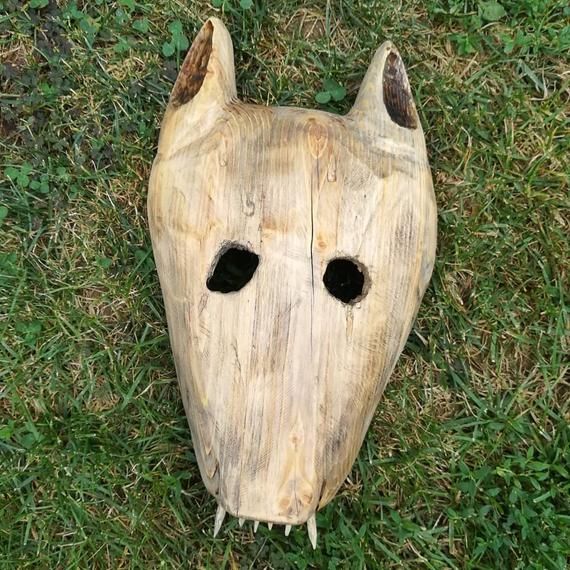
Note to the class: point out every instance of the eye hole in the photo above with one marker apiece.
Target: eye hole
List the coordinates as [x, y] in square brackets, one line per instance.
[233, 270]
[344, 279]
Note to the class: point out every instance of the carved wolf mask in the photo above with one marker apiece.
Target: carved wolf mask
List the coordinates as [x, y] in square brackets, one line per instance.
[293, 249]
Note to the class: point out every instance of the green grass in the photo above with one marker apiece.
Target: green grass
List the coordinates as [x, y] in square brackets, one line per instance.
[467, 462]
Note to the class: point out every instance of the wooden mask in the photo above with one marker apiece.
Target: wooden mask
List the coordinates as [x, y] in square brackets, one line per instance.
[293, 248]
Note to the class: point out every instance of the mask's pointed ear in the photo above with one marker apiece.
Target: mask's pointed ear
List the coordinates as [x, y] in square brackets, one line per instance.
[207, 74]
[204, 87]
[385, 96]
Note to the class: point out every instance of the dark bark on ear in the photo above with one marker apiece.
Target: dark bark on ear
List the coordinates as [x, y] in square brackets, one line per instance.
[194, 68]
[397, 94]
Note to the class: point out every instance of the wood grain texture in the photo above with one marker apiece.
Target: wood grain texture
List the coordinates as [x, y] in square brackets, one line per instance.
[280, 379]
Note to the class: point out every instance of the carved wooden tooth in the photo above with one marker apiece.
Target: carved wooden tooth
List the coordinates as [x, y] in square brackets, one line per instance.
[220, 514]
[312, 529]
[240, 522]
[255, 526]
[287, 529]
[269, 526]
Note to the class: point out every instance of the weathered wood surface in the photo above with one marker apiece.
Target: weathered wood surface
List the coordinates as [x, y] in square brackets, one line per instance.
[280, 379]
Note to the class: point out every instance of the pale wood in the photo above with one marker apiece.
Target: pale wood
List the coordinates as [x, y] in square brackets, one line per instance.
[280, 379]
